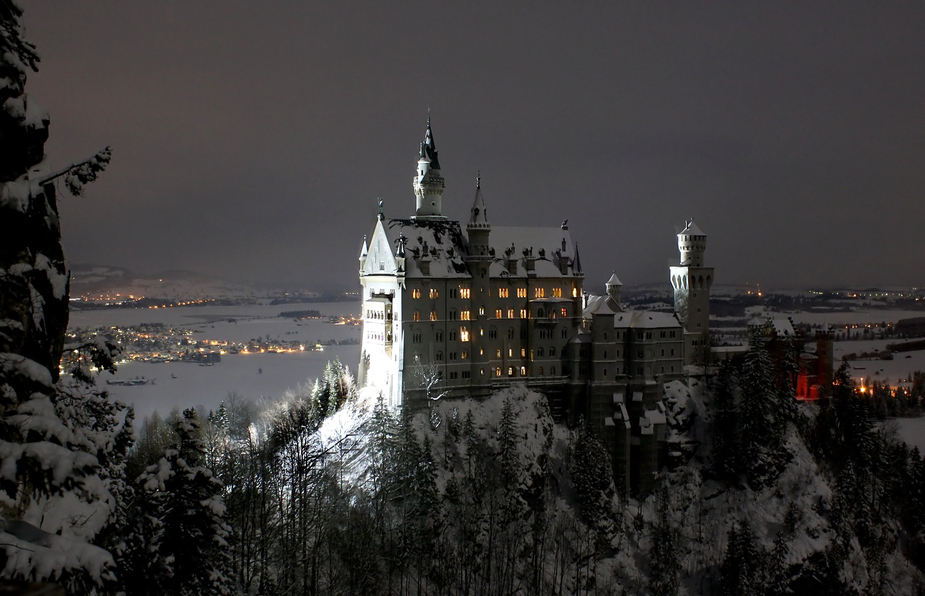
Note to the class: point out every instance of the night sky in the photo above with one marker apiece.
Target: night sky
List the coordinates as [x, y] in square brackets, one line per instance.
[252, 139]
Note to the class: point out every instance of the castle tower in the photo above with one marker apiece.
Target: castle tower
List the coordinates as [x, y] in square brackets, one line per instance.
[614, 289]
[478, 261]
[692, 282]
[427, 181]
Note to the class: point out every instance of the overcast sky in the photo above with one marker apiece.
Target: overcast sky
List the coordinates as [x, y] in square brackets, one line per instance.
[252, 139]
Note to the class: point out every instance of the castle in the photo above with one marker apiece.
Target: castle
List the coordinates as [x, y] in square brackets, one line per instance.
[463, 313]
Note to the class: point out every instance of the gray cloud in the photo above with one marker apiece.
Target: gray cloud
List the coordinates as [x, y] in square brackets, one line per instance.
[251, 140]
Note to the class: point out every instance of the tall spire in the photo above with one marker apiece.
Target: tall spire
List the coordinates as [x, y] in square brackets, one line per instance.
[479, 213]
[428, 183]
[428, 148]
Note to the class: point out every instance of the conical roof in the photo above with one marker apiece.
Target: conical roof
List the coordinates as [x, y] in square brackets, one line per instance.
[614, 281]
[691, 229]
[478, 217]
[429, 148]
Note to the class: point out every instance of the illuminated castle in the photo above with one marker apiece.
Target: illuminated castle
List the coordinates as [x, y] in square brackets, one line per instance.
[464, 312]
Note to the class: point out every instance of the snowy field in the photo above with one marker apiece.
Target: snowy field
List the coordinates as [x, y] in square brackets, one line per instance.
[858, 317]
[254, 376]
[910, 430]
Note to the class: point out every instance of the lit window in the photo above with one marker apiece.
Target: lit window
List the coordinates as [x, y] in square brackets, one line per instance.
[465, 355]
[523, 352]
[433, 292]
[417, 315]
[481, 310]
[574, 292]
[510, 313]
[416, 293]
[498, 355]
[464, 292]
[564, 312]
[433, 315]
[539, 292]
[503, 292]
[498, 314]
[557, 292]
[498, 372]
[523, 371]
[523, 313]
[481, 351]
[463, 334]
[521, 292]
[510, 371]
[464, 315]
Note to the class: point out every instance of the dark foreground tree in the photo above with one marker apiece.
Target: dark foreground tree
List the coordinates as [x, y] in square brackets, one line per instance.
[60, 444]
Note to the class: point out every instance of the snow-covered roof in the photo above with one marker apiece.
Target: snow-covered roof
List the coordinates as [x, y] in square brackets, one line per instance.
[781, 326]
[434, 241]
[614, 281]
[644, 319]
[600, 305]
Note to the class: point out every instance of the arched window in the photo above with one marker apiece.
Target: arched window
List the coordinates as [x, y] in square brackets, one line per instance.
[439, 357]
[540, 313]
[552, 351]
[564, 333]
[552, 371]
[523, 371]
[510, 333]
[439, 336]
[540, 371]
[539, 352]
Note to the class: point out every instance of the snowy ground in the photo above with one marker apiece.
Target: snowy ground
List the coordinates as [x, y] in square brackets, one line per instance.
[911, 431]
[207, 386]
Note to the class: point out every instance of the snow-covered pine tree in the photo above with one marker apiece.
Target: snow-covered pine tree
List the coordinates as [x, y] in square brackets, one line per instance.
[762, 442]
[592, 478]
[741, 571]
[183, 548]
[58, 439]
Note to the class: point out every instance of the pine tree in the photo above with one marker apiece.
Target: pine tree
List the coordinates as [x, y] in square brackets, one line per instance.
[182, 536]
[762, 441]
[58, 471]
[741, 573]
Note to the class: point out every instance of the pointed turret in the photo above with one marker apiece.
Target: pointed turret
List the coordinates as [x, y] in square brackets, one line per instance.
[478, 217]
[364, 252]
[428, 183]
[478, 228]
[428, 148]
[615, 289]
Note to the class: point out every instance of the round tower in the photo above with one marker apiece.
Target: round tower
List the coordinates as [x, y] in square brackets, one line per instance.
[615, 289]
[691, 244]
[428, 183]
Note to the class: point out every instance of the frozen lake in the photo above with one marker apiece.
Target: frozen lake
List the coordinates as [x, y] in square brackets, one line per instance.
[255, 376]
